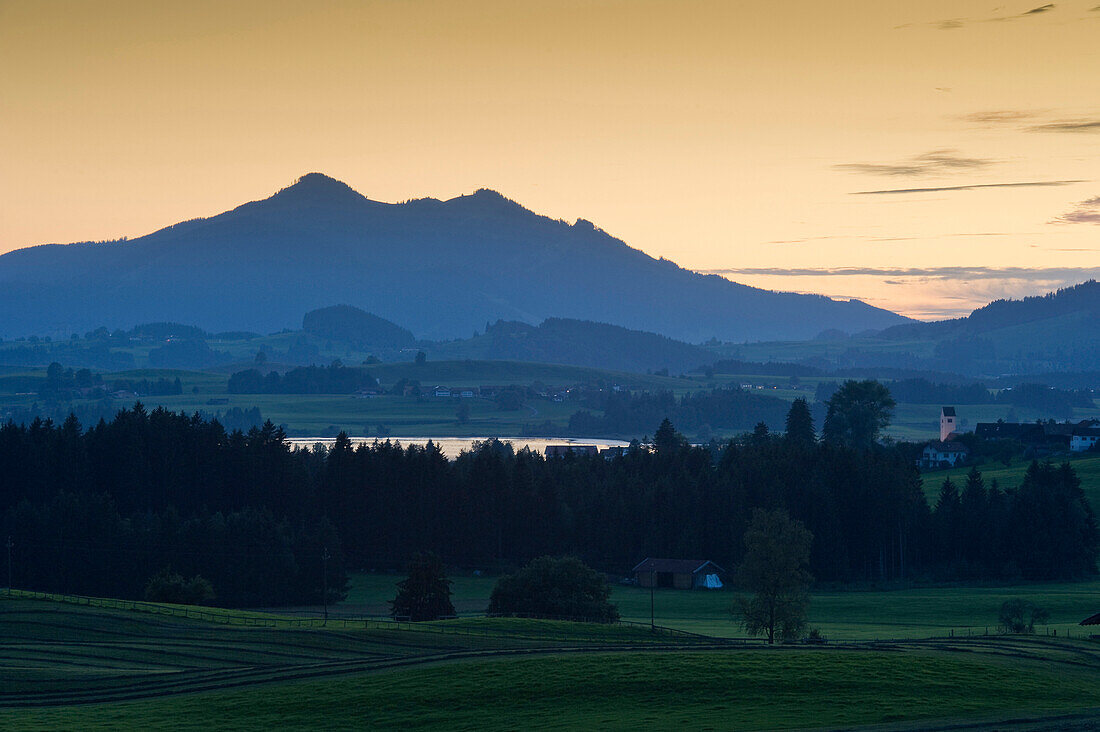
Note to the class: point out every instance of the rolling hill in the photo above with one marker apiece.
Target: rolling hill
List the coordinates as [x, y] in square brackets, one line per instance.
[1056, 332]
[577, 342]
[440, 268]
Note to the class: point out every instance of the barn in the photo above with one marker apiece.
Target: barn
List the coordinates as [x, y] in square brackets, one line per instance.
[681, 574]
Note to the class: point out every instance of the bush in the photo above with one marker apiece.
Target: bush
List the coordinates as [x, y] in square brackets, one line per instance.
[169, 586]
[555, 587]
[1020, 616]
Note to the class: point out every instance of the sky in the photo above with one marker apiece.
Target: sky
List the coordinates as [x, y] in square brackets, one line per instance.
[925, 157]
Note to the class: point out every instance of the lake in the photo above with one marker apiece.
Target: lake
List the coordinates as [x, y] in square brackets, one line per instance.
[452, 446]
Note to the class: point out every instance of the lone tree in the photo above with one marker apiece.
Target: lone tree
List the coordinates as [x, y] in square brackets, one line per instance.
[667, 440]
[857, 412]
[1020, 616]
[557, 587]
[426, 594]
[800, 424]
[777, 551]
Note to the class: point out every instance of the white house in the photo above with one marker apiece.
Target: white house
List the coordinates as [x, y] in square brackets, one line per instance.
[1083, 438]
[943, 454]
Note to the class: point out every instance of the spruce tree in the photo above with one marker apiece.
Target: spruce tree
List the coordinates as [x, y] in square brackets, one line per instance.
[800, 424]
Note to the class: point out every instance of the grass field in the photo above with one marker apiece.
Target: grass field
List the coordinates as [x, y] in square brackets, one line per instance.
[320, 415]
[840, 615]
[65, 666]
[1087, 467]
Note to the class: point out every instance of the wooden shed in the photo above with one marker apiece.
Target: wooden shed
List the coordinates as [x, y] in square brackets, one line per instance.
[681, 574]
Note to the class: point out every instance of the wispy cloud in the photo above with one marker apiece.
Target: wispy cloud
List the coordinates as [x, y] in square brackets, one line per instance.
[1087, 212]
[1075, 125]
[973, 187]
[930, 163]
[1014, 117]
[919, 292]
[1000, 116]
[961, 235]
[956, 23]
[932, 273]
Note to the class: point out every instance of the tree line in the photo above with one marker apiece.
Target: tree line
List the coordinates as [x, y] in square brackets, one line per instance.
[1032, 396]
[625, 412]
[100, 510]
[333, 379]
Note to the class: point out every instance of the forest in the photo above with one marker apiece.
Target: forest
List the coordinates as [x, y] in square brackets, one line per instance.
[636, 413]
[333, 379]
[101, 510]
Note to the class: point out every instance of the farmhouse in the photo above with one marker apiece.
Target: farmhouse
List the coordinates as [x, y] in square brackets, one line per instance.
[681, 574]
[1048, 436]
[943, 454]
[1084, 438]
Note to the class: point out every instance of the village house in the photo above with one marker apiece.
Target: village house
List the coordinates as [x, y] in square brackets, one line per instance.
[1043, 436]
[943, 454]
[1084, 438]
[680, 574]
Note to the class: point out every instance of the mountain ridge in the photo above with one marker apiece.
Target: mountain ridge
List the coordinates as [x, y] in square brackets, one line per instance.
[442, 268]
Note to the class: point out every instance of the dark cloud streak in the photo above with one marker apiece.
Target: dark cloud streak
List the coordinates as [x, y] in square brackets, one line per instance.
[1087, 212]
[1081, 125]
[1000, 116]
[930, 163]
[972, 187]
[956, 23]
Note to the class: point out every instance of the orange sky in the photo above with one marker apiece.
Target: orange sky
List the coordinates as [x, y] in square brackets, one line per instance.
[727, 136]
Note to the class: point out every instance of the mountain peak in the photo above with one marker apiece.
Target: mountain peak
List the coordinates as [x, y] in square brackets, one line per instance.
[487, 202]
[318, 187]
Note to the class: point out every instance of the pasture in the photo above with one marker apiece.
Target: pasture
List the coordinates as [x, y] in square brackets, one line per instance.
[326, 414]
[66, 666]
[1086, 465]
[855, 615]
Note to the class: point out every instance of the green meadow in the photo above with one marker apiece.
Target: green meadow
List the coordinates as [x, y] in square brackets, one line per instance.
[324, 414]
[1086, 465]
[843, 615]
[67, 666]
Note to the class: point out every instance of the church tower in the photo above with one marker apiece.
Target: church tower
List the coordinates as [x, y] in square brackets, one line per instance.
[947, 423]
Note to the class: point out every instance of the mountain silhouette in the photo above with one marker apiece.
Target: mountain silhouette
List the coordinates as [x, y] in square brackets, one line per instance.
[440, 268]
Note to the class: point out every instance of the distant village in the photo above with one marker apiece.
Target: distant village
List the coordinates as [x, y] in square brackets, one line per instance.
[1040, 437]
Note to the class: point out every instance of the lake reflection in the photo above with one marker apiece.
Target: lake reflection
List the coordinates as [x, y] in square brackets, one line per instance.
[452, 446]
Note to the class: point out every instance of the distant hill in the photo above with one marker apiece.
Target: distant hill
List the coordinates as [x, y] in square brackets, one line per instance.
[1056, 332]
[579, 343]
[440, 268]
[352, 325]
